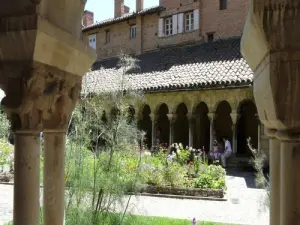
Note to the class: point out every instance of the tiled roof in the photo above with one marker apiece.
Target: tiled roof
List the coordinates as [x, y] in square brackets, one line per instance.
[124, 17]
[216, 64]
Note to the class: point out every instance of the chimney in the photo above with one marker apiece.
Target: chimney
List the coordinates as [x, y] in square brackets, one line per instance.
[119, 8]
[126, 9]
[139, 5]
[88, 18]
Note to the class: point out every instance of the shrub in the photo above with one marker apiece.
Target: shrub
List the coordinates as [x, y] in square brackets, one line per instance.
[174, 175]
[211, 176]
[6, 153]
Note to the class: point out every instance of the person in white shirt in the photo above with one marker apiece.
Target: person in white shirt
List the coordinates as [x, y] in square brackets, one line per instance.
[227, 153]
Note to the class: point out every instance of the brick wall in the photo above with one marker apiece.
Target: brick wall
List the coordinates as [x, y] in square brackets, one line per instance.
[224, 23]
[88, 18]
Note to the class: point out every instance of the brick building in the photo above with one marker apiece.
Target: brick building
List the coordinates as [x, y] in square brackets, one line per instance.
[198, 86]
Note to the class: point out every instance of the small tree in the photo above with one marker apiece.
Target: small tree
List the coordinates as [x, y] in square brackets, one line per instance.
[98, 149]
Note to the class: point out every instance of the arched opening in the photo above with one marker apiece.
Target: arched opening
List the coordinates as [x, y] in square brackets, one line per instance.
[247, 127]
[145, 124]
[131, 114]
[163, 126]
[114, 113]
[223, 122]
[202, 127]
[181, 126]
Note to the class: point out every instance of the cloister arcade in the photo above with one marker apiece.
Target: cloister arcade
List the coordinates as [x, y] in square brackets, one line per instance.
[195, 119]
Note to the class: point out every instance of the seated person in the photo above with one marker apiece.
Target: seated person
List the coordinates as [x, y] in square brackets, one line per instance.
[227, 153]
[215, 153]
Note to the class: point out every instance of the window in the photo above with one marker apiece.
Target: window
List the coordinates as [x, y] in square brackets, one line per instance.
[92, 41]
[210, 37]
[168, 26]
[133, 32]
[107, 36]
[223, 4]
[189, 21]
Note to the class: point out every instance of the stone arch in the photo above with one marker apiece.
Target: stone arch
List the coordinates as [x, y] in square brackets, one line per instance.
[131, 114]
[145, 124]
[202, 127]
[247, 126]
[181, 126]
[163, 125]
[223, 121]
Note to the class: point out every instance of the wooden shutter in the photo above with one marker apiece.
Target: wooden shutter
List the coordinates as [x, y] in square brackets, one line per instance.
[175, 24]
[180, 23]
[161, 27]
[196, 19]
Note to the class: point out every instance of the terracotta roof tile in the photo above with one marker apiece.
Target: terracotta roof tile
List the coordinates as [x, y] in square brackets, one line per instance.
[207, 65]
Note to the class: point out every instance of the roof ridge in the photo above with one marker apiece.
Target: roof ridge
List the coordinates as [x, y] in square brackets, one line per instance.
[125, 16]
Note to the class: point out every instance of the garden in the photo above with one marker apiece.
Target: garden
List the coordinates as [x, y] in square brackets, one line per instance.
[104, 160]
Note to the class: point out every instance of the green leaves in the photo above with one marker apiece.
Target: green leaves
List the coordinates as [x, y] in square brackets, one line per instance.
[212, 177]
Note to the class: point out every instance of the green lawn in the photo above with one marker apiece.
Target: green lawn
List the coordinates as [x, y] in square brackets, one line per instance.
[143, 220]
[113, 219]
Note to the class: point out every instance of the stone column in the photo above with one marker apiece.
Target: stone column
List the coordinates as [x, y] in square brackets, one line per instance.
[54, 177]
[234, 118]
[172, 119]
[27, 178]
[274, 149]
[211, 117]
[289, 178]
[191, 117]
[153, 119]
[258, 133]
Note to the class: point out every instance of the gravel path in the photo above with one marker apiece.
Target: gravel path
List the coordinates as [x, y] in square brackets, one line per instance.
[245, 204]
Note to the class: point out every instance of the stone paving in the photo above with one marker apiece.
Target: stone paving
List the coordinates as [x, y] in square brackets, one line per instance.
[245, 204]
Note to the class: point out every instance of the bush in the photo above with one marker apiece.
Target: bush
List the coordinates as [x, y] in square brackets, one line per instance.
[174, 175]
[212, 177]
[6, 153]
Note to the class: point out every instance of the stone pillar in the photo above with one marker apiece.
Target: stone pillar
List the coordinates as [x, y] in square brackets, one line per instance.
[258, 133]
[172, 119]
[211, 117]
[54, 177]
[289, 178]
[191, 117]
[153, 141]
[27, 178]
[275, 60]
[274, 178]
[234, 118]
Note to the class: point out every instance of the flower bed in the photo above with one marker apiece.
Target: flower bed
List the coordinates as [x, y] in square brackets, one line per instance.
[198, 192]
[183, 171]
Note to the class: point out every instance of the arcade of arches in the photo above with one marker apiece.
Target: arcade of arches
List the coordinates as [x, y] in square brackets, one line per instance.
[195, 119]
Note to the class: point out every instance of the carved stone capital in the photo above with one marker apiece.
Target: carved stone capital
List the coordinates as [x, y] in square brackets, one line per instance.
[234, 117]
[190, 116]
[153, 117]
[43, 99]
[270, 45]
[211, 116]
[172, 117]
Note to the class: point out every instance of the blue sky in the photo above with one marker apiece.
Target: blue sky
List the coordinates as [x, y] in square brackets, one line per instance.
[104, 9]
